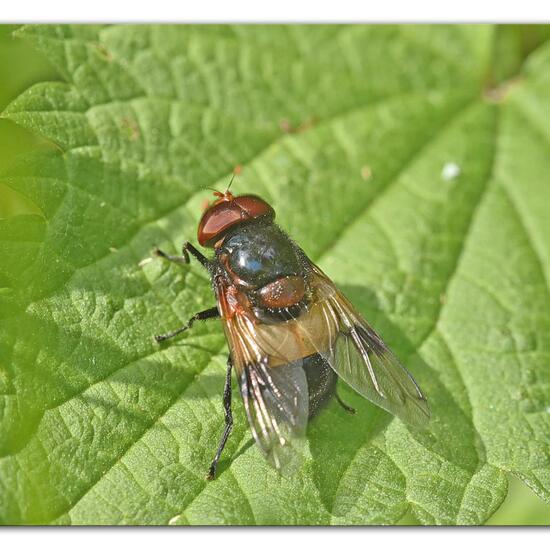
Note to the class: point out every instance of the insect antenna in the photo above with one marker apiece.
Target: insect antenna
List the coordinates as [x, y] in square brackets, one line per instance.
[236, 172]
[230, 182]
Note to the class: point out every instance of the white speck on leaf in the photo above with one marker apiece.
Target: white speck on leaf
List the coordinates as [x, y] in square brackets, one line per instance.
[450, 171]
[145, 261]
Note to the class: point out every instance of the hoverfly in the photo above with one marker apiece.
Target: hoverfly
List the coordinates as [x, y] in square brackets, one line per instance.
[291, 332]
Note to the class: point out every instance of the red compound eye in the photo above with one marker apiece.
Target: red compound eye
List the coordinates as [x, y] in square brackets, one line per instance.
[228, 211]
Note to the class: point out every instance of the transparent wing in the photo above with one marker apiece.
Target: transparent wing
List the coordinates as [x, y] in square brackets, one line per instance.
[268, 359]
[276, 403]
[360, 357]
[273, 386]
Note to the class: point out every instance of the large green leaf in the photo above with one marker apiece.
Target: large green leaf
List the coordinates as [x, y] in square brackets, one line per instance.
[410, 162]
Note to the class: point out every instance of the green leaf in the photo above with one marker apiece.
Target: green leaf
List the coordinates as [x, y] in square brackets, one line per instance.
[408, 161]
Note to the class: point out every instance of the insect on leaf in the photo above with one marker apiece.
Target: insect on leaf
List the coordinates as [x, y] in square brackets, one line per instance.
[347, 131]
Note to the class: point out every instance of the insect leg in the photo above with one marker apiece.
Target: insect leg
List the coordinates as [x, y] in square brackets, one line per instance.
[189, 248]
[200, 316]
[228, 421]
[184, 258]
[347, 408]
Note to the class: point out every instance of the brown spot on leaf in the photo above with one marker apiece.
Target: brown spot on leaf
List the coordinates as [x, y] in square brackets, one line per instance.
[366, 172]
[288, 128]
[498, 94]
[103, 52]
[131, 127]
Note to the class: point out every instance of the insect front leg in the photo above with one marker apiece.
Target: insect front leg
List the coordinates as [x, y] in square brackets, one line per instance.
[187, 249]
[228, 421]
[211, 313]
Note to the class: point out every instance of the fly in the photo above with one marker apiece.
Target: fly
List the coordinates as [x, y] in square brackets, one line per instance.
[291, 332]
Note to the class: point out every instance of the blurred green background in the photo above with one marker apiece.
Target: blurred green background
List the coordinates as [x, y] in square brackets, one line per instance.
[21, 66]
